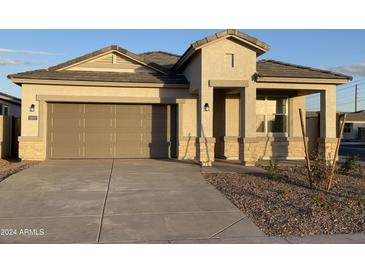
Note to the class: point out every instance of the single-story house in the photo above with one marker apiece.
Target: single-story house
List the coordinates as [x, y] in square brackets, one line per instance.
[214, 101]
[354, 129]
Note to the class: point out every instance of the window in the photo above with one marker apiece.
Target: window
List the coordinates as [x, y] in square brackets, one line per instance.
[5, 110]
[271, 114]
[1, 109]
[229, 60]
[347, 128]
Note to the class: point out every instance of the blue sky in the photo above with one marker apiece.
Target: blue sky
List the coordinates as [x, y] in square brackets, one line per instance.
[343, 50]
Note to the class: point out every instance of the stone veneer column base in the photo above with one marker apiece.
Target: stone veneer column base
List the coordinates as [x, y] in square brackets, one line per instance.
[327, 147]
[205, 150]
[31, 149]
[187, 148]
[266, 148]
[248, 151]
[231, 147]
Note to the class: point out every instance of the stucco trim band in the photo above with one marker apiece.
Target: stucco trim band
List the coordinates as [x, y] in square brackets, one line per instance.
[228, 83]
[108, 99]
[96, 83]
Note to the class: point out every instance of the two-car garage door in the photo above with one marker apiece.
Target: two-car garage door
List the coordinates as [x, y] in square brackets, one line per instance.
[108, 131]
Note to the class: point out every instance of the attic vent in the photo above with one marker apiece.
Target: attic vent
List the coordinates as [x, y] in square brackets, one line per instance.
[229, 60]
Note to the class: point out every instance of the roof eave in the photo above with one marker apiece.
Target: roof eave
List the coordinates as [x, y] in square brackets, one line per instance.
[20, 81]
[312, 80]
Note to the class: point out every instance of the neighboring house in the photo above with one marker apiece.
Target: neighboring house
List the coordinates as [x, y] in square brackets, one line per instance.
[354, 129]
[10, 109]
[313, 129]
[214, 101]
[9, 105]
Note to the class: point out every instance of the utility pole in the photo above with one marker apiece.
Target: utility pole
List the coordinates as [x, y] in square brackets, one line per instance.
[355, 97]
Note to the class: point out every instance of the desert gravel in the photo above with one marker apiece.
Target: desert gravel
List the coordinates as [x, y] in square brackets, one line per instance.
[288, 207]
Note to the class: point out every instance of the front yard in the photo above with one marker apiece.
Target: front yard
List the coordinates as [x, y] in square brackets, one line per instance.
[284, 205]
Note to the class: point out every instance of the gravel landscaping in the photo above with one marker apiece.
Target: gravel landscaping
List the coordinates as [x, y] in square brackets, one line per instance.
[286, 206]
[9, 167]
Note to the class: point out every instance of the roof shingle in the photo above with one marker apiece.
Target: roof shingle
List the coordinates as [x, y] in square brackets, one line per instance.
[163, 59]
[97, 76]
[272, 68]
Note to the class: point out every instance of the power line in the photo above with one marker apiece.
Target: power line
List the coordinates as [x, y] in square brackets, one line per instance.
[337, 103]
[347, 103]
[347, 87]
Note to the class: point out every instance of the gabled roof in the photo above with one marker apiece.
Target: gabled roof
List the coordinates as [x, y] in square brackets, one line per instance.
[272, 68]
[111, 48]
[158, 61]
[162, 58]
[258, 45]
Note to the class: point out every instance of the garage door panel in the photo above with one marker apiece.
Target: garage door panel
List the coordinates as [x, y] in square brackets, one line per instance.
[67, 136]
[67, 153]
[61, 125]
[107, 131]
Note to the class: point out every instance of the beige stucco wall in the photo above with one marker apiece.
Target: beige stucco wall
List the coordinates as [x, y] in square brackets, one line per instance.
[193, 72]
[214, 67]
[210, 64]
[32, 141]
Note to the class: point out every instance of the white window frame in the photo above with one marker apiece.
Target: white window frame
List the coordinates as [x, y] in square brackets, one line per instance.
[278, 134]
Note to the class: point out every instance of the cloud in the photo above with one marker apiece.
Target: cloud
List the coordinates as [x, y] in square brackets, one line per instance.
[11, 62]
[354, 69]
[25, 51]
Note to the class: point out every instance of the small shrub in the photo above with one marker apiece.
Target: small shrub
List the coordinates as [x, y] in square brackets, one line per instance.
[350, 165]
[321, 172]
[274, 172]
[361, 201]
[318, 201]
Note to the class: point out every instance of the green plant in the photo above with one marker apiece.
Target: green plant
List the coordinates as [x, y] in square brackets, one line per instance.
[361, 201]
[273, 170]
[349, 165]
[318, 200]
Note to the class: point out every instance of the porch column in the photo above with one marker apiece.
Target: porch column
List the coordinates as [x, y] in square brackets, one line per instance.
[205, 142]
[328, 127]
[295, 146]
[296, 103]
[248, 142]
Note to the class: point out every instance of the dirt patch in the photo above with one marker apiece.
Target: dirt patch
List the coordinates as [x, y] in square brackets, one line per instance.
[286, 206]
[9, 167]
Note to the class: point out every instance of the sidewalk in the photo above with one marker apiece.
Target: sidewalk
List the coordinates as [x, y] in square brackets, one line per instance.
[329, 239]
[316, 239]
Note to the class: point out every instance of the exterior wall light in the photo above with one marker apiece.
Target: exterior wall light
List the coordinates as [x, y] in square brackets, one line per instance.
[32, 108]
[206, 107]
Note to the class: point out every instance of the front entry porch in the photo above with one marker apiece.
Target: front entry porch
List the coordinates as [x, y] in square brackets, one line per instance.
[261, 122]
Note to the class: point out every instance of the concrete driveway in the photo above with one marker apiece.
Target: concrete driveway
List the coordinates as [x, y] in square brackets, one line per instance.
[117, 201]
